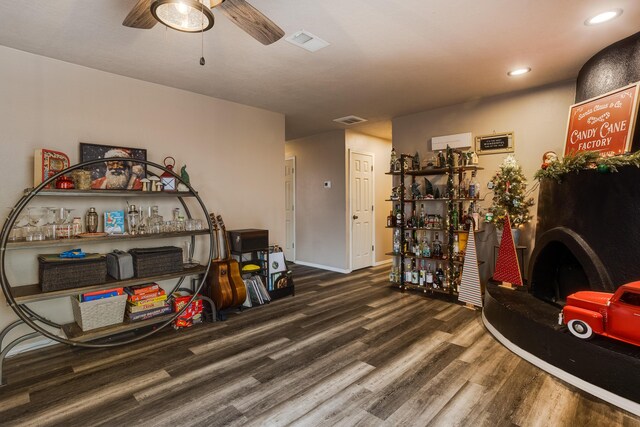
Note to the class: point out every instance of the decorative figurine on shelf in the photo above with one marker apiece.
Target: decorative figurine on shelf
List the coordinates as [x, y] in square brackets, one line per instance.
[442, 162]
[548, 158]
[428, 189]
[394, 164]
[436, 194]
[146, 184]
[415, 191]
[405, 163]
[395, 192]
[585, 313]
[167, 179]
[155, 183]
[184, 176]
[415, 162]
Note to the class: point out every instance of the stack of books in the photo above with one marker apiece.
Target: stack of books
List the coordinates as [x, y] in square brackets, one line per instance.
[146, 301]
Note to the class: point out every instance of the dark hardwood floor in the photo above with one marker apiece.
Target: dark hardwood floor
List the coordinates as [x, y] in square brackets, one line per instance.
[346, 350]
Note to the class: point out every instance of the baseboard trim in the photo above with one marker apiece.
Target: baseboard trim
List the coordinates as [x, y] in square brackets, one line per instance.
[30, 345]
[323, 267]
[599, 392]
[383, 262]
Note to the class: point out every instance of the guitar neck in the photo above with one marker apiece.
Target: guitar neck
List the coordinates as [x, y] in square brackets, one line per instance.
[227, 248]
[214, 223]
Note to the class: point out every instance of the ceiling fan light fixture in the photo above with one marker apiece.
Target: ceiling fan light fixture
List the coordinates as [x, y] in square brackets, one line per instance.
[190, 16]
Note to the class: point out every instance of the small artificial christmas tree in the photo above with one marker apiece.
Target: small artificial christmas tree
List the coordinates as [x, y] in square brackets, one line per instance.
[509, 188]
[507, 267]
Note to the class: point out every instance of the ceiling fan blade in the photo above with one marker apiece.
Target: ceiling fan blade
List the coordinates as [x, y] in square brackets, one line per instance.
[252, 21]
[140, 16]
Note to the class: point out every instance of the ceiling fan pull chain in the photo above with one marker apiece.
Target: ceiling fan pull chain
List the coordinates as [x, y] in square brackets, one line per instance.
[202, 61]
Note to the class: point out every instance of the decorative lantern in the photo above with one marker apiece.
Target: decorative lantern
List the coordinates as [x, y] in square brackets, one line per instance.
[167, 179]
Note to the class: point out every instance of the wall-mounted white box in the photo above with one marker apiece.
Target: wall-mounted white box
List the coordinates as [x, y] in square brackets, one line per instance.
[459, 140]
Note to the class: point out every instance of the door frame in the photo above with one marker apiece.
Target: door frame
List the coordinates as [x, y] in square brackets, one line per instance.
[293, 249]
[373, 210]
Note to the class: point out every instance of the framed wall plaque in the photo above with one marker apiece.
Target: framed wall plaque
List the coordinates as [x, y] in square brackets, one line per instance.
[494, 144]
[604, 123]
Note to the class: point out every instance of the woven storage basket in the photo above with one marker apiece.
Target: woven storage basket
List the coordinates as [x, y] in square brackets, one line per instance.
[57, 273]
[99, 313]
[156, 261]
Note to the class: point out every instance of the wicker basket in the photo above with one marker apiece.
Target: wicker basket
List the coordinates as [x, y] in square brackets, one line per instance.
[149, 262]
[57, 273]
[99, 313]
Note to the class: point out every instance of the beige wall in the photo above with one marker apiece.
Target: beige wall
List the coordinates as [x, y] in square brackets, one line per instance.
[381, 150]
[323, 226]
[234, 153]
[537, 117]
[320, 212]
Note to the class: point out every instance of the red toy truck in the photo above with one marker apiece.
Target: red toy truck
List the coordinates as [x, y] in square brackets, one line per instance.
[614, 315]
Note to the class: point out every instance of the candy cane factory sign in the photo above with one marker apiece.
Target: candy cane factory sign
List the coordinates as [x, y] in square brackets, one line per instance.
[604, 123]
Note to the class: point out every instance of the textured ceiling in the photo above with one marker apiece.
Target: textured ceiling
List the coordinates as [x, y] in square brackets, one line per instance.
[386, 58]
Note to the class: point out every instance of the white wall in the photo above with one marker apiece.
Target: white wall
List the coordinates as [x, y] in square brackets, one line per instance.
[234, 153]
[381, 150]
[537, 117]
[321, 223]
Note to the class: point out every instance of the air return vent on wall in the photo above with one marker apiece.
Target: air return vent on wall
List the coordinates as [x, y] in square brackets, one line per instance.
[306, 40]
[350, 120]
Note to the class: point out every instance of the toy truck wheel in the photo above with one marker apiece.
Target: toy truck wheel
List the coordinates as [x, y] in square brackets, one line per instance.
[580, 329]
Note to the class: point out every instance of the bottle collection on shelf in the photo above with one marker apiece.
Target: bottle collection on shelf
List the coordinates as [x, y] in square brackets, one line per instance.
[420, 248]
[48, 223]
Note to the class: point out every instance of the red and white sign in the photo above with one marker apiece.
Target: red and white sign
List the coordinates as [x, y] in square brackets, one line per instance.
[605, 123]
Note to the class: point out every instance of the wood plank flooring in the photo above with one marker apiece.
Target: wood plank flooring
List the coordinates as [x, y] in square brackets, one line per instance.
[347, 350]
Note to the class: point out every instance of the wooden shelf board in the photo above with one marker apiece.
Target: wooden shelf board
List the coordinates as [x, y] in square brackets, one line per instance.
[73, 331]
[32, 293]
[112, 193]
[105, 239]
[432, 171]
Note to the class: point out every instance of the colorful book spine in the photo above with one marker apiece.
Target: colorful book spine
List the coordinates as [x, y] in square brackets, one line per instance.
[142, 297]
[136, 308]
[162, 297]
[91, 296]
[148, 314]
[142, 289]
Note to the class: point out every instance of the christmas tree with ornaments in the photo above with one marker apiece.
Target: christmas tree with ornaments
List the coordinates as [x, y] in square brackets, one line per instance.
[509, 194]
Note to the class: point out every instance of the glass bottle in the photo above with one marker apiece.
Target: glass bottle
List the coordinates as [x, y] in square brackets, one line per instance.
[396, 241]
[429, 277]
[440, 275]
[456, 245]
[133, 217]
[390, 219]
[91, 221]
[426, 250]
[474, 187]
[437, 247]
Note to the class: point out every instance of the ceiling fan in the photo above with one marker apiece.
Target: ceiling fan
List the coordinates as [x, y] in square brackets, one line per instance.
[196, 16]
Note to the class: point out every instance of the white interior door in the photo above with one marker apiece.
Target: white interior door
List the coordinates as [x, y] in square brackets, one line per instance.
[290, 201]
[361, 171]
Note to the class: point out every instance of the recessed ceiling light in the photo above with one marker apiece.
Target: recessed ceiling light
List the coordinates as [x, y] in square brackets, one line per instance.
[603, 17]
[519, 72]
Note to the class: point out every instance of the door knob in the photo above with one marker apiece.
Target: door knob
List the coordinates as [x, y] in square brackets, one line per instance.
[355, 217]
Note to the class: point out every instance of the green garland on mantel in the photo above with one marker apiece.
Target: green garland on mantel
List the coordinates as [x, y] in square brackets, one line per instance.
[587, 160]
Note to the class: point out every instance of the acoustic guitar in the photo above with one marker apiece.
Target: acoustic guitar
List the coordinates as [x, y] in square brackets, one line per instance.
[218, 277]
[238, 288]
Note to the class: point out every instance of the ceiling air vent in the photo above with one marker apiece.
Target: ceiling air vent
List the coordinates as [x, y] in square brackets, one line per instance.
[306, 40]
[350, 120]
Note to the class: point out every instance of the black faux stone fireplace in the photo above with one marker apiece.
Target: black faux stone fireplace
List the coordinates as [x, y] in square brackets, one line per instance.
[588, 234]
